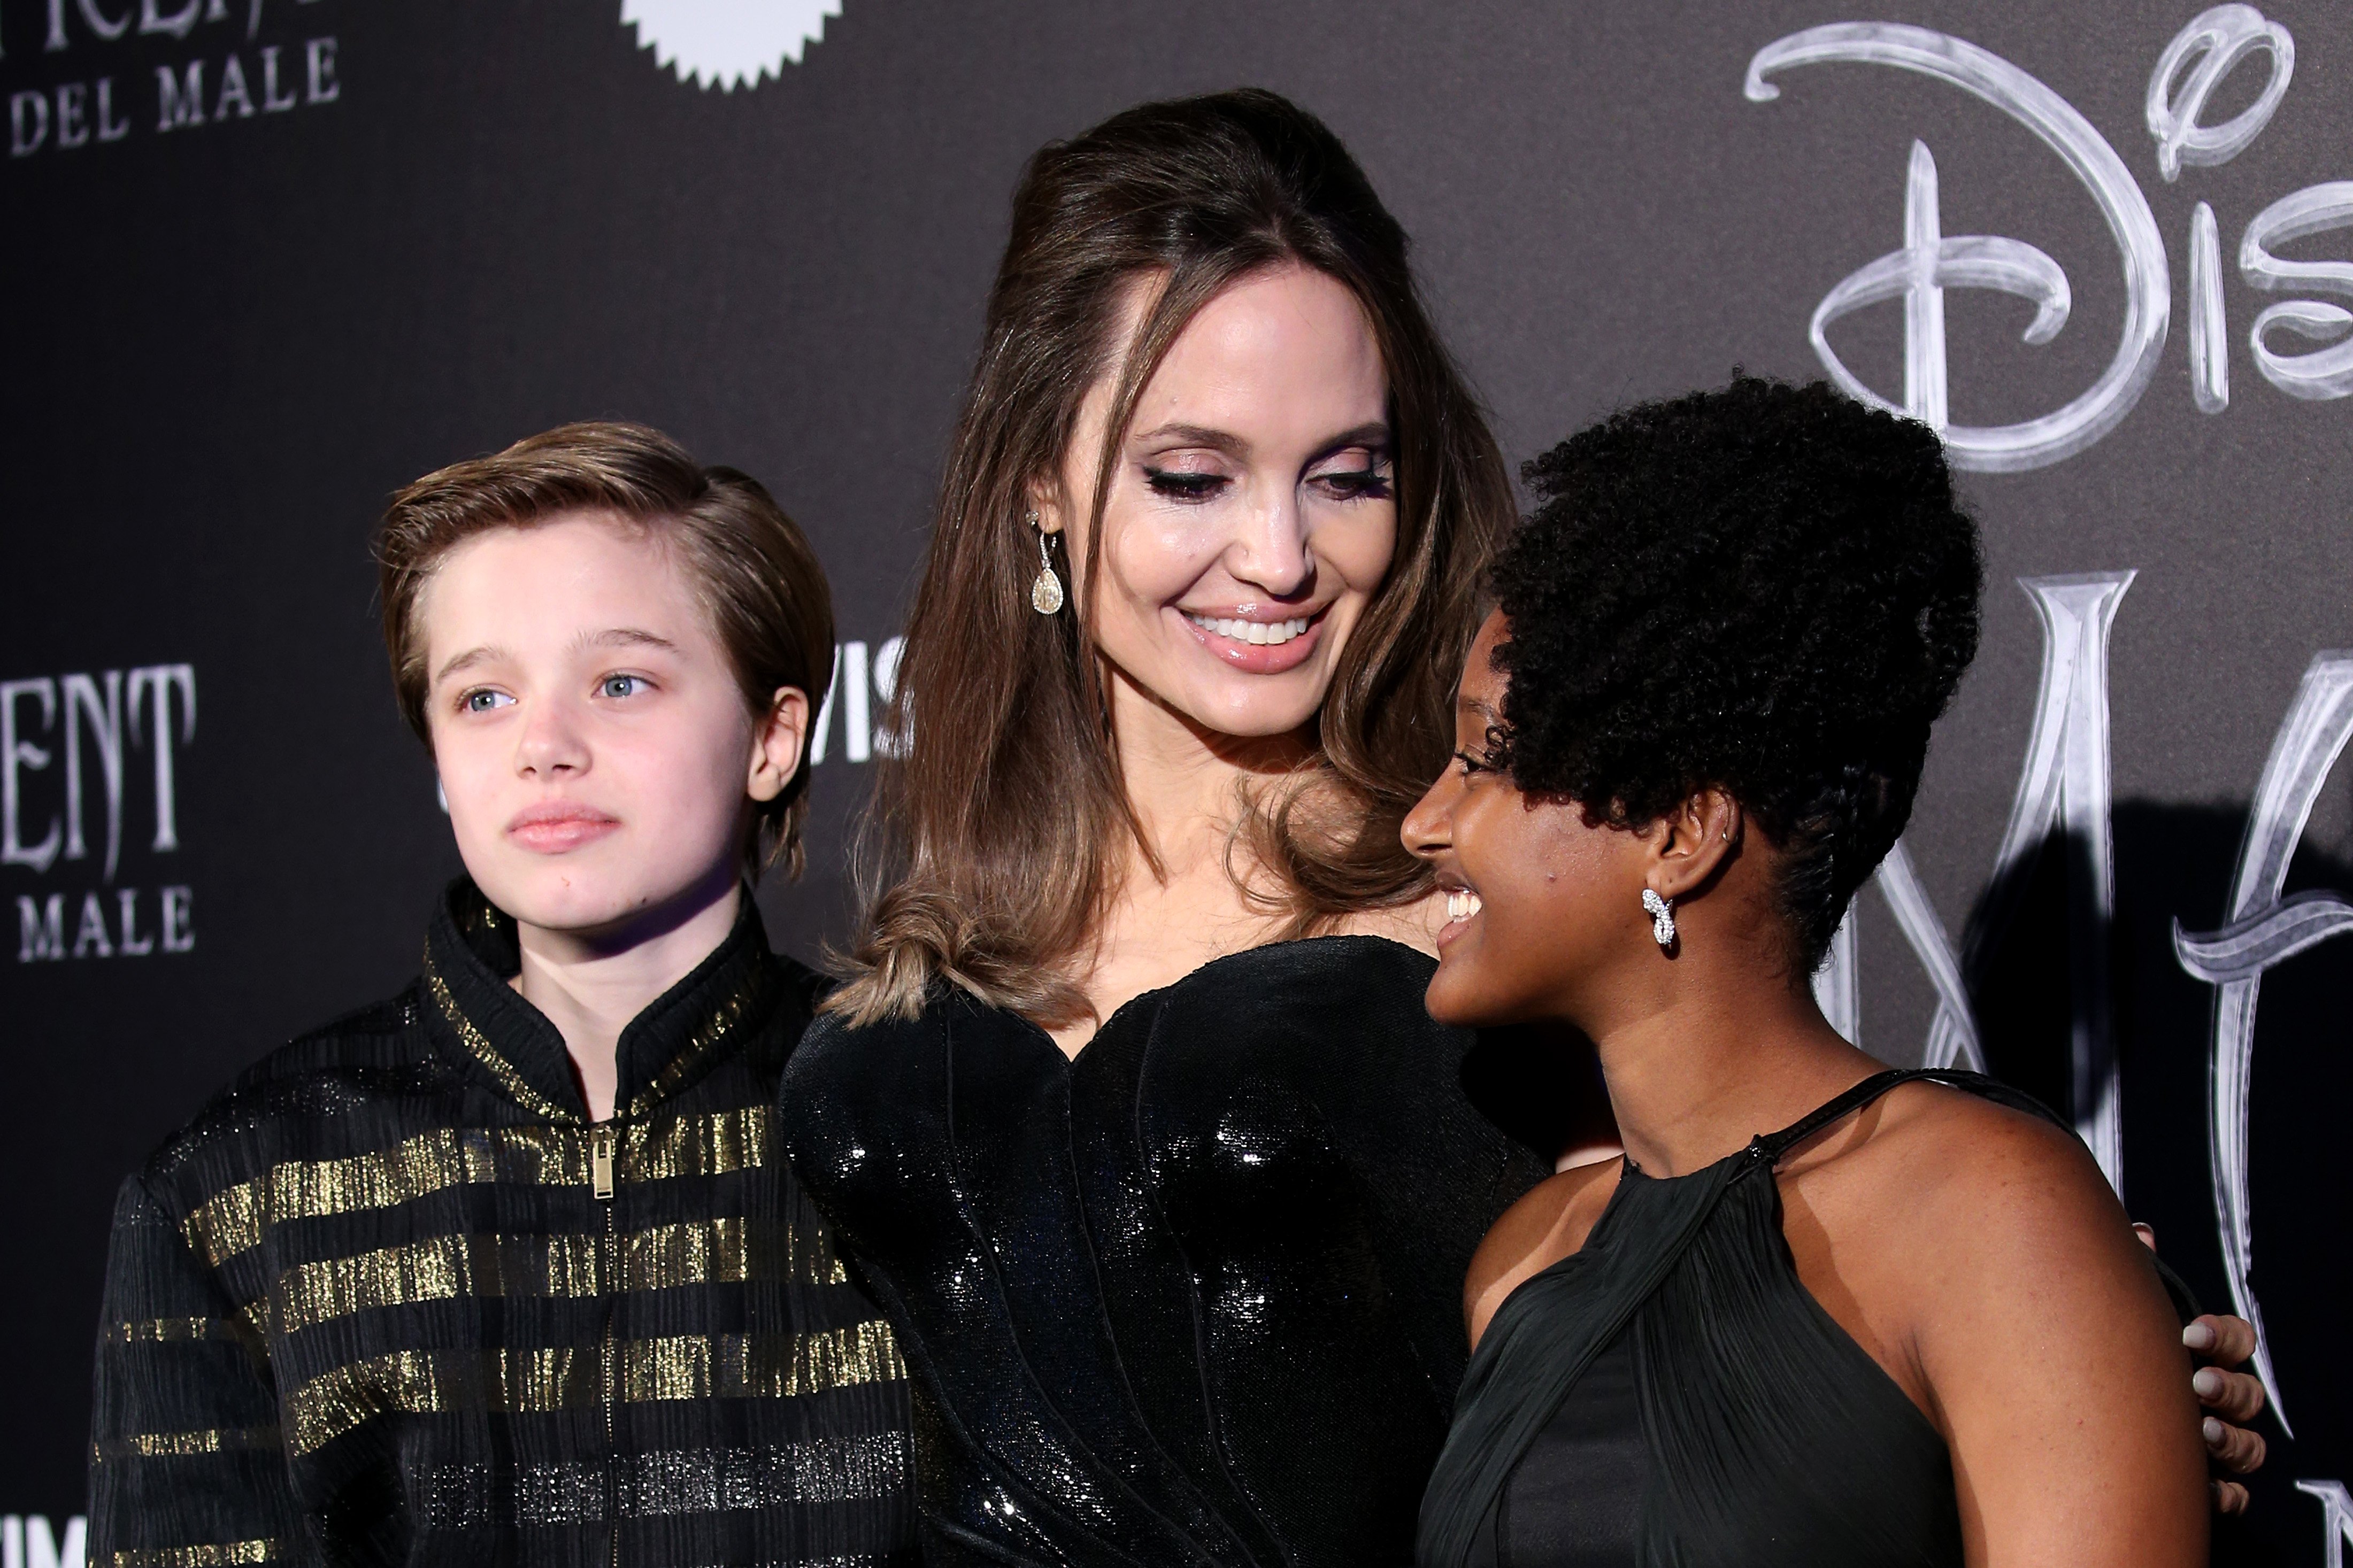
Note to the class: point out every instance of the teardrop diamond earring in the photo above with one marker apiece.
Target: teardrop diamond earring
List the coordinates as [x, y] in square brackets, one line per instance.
[1662, 918]
[1046, 588]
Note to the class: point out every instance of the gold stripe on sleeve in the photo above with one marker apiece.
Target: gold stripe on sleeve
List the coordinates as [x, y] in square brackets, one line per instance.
[726, 1250]
[838, 1358]
[438, 1269]
[168, 1330]
[709, 1145]
[686, 1366]
[694, 1252]
[743, 1366]
[178, 1444]
[424, 1383]
[232, 1221]
[225, 1555]
[226, 1223]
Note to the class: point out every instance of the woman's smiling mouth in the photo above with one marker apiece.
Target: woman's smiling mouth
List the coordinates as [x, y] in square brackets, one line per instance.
[1255, 645]
[1258, 633]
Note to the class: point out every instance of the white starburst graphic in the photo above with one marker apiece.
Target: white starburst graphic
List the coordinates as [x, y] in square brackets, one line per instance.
[731, 43]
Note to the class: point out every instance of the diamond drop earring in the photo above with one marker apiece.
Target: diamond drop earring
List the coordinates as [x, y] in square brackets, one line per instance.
[1045, 589]
[1662, 918]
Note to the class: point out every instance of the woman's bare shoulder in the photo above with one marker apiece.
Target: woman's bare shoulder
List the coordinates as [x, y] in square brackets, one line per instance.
[1995, 1263]
[1546, 1226]
[1983, 1203]
[1962, 1147]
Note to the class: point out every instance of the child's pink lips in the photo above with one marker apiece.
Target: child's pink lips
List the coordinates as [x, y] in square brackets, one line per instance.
[552, 829]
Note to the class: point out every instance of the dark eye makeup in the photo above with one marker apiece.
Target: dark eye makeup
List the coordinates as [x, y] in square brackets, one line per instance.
[1369, 482]
[1357, 484]
[1177, 484]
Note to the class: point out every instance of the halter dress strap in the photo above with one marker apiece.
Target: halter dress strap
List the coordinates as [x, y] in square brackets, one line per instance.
[1770, 1147]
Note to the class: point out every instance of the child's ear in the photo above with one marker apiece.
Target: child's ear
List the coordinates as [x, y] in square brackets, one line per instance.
[1692, 841]
[776, 743]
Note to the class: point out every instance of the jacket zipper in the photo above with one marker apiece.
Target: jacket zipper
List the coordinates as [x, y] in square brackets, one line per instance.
[601, 1142]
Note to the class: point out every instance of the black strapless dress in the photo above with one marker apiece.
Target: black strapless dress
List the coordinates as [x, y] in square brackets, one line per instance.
[1193, 1298]
[1671, 1393]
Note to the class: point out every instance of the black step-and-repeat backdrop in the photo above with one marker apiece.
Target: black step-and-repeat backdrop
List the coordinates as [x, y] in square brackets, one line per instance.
[263, 260]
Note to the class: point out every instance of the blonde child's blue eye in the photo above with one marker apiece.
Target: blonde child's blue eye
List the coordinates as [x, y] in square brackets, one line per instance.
[621, 686]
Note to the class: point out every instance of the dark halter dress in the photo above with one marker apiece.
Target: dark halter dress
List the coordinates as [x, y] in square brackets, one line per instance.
[1192, 1300]
[1671, 1393]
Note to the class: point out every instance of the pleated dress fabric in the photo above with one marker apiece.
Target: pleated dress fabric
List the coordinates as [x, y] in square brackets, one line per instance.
[1193, 1298]
[392, 1299]
[1672, 1395]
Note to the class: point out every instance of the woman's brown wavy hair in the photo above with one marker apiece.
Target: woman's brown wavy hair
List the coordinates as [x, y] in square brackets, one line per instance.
[998, 833]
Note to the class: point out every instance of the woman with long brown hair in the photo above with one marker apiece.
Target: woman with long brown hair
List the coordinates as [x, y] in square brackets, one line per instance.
[1129, 1116]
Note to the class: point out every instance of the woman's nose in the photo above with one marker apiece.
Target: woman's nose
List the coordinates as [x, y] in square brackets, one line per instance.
[1272, 549]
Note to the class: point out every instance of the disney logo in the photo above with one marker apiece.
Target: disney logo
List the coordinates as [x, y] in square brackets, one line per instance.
[2185, 76]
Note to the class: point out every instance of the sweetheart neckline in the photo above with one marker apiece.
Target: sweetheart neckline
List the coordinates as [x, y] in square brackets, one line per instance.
[1070, 1058]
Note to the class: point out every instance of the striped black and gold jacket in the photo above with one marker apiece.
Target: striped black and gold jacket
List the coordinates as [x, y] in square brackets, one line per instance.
[393, 1298]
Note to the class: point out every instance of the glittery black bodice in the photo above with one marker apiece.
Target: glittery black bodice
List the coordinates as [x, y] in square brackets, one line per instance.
[1193, 1298]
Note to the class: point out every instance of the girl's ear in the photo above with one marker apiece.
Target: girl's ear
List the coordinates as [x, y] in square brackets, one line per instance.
[776, 743]
[1692, 841]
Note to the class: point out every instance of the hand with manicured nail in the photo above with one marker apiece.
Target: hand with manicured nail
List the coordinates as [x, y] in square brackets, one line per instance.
[2232, 1398]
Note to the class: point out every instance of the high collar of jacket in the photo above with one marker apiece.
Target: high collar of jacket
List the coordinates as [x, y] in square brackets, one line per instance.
[472, 951]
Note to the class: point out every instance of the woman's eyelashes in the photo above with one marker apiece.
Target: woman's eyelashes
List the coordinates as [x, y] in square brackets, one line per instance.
[1350, 475]
[1184, 484]
[1356, 476]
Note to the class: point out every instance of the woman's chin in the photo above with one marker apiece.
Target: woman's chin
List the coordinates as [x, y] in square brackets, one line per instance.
[1454, 997]
[1257, 707]
[1466, 995]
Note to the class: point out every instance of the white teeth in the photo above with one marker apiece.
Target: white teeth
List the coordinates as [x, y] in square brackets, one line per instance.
[1462, 904]
[1258, 633]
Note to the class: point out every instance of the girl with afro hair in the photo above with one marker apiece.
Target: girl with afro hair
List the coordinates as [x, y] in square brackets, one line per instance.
[1821, 1312]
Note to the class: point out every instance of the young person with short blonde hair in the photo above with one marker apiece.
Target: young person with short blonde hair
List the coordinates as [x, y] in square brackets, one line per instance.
[507, 1268]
